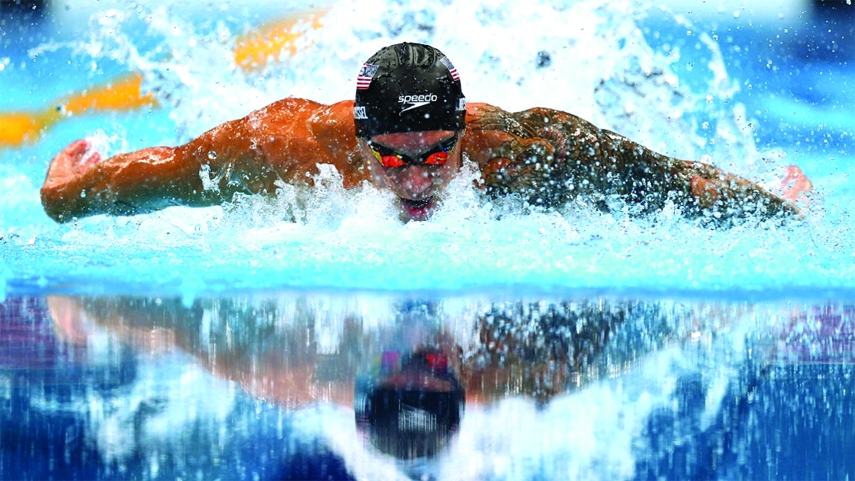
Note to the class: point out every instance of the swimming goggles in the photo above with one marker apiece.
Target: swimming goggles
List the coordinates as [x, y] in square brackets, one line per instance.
[391, 159]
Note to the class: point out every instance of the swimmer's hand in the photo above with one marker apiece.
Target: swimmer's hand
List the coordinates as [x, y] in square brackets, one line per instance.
[72, 161]
[795, 187]
[68, 166]
[719, 191]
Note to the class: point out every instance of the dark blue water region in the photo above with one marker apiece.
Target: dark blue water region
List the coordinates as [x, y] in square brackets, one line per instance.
[45, 434]
[45, 446]
[41, 446]
[781, 423]
[776, 422]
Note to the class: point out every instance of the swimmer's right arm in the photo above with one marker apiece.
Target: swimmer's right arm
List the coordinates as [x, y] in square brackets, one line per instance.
[282, 142]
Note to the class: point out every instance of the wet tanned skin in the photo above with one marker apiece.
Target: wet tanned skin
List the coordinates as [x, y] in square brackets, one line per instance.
[550, 157]
[547, 157]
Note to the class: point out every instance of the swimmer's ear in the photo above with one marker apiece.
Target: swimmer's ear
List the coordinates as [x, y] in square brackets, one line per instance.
[362, 149]
[460, 134]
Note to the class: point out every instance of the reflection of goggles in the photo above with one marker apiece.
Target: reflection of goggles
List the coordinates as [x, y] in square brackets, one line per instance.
[391, 159]
[436, 362]
[406, 420]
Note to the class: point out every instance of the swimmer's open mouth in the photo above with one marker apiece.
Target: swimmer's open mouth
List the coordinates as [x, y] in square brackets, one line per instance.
[418, 209]
[416, 204]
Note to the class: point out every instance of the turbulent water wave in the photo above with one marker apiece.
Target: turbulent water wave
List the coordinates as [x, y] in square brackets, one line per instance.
[590, 59]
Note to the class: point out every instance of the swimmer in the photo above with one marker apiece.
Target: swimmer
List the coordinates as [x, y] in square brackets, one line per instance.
[408, 132]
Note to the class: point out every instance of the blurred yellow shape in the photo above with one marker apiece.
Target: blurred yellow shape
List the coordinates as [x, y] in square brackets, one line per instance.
[253, 52]
[256, 49]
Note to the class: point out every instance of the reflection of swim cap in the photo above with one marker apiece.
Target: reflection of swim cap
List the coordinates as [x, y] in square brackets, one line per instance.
[408, 87]
[409, 421]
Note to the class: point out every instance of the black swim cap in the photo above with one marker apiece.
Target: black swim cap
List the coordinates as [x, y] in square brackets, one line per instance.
[408, 87]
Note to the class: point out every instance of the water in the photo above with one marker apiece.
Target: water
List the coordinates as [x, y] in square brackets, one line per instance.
[728, 354]
[260, 386]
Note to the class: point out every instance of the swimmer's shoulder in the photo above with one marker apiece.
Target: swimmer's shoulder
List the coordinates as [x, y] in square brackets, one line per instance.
[493, 132]
[305, 112]
[293, 135]
[483, 116]
[486, 135]
[530, 123]
[302, 125]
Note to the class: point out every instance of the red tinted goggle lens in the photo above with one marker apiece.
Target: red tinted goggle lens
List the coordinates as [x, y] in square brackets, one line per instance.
[391, 159]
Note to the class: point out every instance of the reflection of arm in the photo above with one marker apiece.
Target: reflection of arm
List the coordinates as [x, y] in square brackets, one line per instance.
[266, 359]
[281, 142]
[541, 350]
[550, 157]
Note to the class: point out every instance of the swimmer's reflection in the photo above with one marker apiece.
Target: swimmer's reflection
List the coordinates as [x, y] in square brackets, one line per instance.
[408, 377]
[412, 407]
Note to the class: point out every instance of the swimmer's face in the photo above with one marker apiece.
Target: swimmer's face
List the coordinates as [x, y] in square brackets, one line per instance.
[415, 185]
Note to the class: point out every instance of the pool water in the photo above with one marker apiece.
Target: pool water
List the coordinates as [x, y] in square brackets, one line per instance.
[255, 386]
[224, 342]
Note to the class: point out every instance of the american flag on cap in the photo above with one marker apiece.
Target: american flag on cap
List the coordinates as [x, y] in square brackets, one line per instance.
[453, 71]
[366, 73]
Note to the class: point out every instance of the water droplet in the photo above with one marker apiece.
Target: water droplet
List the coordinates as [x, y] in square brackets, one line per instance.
[212, 155]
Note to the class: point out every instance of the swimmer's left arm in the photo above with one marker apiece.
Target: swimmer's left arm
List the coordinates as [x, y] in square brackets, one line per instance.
[550, 157]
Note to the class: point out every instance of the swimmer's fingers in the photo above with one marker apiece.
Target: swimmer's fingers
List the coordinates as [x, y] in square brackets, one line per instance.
[81, 155]
[74, 159]
[795, 187]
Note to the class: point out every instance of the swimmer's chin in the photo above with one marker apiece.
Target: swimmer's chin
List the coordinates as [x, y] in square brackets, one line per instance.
[418, 210]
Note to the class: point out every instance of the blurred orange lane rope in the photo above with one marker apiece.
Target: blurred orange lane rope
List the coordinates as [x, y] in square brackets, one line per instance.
[253, 51]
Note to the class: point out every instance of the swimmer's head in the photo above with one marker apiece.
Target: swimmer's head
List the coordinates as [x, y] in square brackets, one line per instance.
[412, 408]
[408, 87]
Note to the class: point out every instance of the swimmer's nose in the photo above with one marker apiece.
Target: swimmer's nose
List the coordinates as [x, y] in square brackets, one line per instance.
[417, 180]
